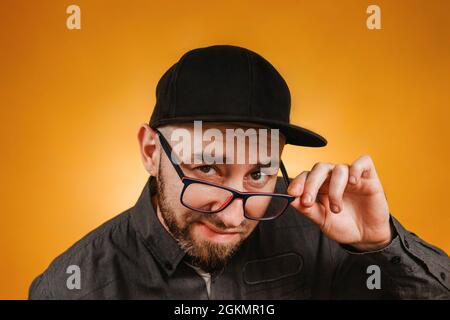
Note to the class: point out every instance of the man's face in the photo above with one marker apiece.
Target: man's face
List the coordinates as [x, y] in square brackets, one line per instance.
[211, 239]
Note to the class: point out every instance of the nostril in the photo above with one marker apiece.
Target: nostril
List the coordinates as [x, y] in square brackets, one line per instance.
[233, 216]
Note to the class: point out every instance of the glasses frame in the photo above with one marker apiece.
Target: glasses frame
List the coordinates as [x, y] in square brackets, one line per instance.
[236, 194]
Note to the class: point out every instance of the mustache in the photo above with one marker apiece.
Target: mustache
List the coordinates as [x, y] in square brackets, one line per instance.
[214, 221]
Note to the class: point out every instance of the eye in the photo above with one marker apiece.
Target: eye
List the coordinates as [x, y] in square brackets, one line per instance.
[257, 175]
[206, 169]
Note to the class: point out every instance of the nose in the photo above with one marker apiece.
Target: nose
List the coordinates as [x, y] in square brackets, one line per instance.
[233, 215]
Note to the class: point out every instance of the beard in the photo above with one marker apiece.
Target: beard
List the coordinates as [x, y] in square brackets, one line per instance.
[211, 257]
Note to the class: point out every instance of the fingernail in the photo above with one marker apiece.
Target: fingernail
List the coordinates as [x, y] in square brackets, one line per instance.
[335, 208]
[353, 180]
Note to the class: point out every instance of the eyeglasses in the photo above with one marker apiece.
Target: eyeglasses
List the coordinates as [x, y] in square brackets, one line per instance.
[207, 197]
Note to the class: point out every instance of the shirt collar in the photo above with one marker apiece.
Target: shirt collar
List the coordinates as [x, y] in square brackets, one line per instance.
[156, 238]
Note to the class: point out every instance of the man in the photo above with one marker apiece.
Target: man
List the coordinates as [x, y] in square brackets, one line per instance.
[210, 229]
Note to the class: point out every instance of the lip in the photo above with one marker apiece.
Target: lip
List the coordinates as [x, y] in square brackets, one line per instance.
[217, 230]
[215, 234]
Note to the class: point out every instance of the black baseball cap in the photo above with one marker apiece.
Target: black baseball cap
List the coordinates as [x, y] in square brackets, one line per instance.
[225, 83]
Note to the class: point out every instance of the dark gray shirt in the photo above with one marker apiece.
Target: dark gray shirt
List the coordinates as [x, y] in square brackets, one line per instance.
[132, 256]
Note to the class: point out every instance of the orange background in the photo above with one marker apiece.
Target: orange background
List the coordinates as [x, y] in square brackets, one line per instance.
[72, 102]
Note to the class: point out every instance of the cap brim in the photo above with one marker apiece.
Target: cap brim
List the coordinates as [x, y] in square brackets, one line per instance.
[295, 135]
[299, 136]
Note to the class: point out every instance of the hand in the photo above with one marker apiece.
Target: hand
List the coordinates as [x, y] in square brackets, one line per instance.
[347, 202]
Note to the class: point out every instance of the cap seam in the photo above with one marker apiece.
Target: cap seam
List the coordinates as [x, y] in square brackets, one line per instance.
[174, 80]
[251, 84]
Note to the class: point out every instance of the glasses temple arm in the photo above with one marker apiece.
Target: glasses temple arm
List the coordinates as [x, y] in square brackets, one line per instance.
[284, 173]
[168, 150]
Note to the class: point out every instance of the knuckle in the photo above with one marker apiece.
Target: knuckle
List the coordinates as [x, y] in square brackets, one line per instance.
[316, 165]
[320, 164]
[301, 177]
[366, 157]
[304, 173]
[356, 166]
[341, 168]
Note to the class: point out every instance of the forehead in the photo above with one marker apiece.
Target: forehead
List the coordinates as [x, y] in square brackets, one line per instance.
[220, 143]
[248, 129]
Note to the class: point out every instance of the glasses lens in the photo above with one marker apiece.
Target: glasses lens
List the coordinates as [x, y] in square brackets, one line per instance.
[265, 207]
[205, 198]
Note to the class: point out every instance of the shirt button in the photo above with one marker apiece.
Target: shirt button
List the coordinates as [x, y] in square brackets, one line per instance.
[396, 260]
[442, 275]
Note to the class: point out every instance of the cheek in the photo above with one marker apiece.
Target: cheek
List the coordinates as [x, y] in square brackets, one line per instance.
[172, 192]
[272, 183]
[251, 225]
[181, 215]
[184, 217]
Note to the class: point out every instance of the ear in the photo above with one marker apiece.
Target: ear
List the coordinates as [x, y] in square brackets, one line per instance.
[147, 138]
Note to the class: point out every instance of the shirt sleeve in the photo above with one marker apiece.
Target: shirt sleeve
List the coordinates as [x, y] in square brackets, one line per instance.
[39, 289]
[409, 268]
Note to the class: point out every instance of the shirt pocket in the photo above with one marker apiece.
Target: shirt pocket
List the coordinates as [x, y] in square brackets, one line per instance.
[276, 277]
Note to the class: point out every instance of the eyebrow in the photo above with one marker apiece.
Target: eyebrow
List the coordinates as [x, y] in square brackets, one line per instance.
[199, 156]
[168, 150]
